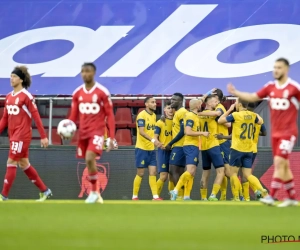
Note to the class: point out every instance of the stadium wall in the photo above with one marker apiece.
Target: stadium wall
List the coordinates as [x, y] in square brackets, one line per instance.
[64, 174]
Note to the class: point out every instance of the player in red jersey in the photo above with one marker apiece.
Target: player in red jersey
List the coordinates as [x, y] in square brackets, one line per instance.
[19, 110]
[91, 101]
[284, 94]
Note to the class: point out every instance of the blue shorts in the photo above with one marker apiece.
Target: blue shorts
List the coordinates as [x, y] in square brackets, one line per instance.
[240, 159]
[145, 158]
[225, 150]
[253, 157]
[191, 155]
[177, 157]
[212, 156]
[163, 158]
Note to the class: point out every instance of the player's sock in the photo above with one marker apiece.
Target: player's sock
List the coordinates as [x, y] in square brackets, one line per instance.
[11, 172]
[136, 185]
[289, 187]
[246, 193]
[252, 187]
[241, 190]
[276, 185]
[153, 186]
[171, 185]
[34, 177]
[235, 186]
[160, 185]
[255, 182]
[180, 193]
[188, 187]
[216, 189]
[182, 180]
[224, 188]
[93, 179]
[203, 193]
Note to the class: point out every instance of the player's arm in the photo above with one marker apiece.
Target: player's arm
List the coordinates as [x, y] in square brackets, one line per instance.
[30, 103]
[222, 137]
[74, 108]
[189, 131]
[249, 97]
[263, 130]
[157, 131]
[216, 113]
[179, 135]
[202, 99]
[4, 120]
[226, 117]
[141, 127]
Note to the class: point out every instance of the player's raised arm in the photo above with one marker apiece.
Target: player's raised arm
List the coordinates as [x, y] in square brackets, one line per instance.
[249, 97]
[226, 117]
[4, 120]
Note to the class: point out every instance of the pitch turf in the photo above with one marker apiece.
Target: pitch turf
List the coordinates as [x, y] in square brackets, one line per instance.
[144, 225]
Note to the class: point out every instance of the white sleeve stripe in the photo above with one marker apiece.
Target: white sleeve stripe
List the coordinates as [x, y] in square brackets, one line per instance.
[27, 93]
[101, 87]
[24, 107]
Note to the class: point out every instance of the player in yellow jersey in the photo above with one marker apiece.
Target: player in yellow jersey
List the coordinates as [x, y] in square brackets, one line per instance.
[241, 153]
[163, 133]
[225, 143]
[210, 150]
[145, 155]
[191, 149]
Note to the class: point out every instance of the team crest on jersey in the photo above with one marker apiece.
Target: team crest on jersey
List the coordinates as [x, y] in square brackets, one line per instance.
[82, 173]
[286, 93]
[17, 101]
[95, 98]
[80, 98]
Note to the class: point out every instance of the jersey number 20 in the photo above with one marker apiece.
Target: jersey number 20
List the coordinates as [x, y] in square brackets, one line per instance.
[247, 131]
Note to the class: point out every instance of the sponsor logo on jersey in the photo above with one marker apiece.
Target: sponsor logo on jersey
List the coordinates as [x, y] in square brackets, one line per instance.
[13, 109]
[89, 108]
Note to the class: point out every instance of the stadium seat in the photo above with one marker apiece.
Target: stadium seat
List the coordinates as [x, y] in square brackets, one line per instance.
[121, 103]
[123, 137]
[140, 110]
[1, 112]
[136, 103]
[56, 140]
[123, 117]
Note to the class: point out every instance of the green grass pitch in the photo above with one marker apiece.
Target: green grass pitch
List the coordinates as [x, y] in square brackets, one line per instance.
[144, 225]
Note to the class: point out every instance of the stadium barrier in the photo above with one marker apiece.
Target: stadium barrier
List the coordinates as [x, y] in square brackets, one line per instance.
[67, 177]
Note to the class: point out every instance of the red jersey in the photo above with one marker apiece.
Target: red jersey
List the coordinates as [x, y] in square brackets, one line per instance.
[19, 110]
[93, 106]
[284, 106]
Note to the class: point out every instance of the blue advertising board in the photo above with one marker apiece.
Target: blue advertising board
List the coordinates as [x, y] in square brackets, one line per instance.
[148, 47]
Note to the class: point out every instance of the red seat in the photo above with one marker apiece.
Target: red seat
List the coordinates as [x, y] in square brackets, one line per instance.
[120, 103]
[136, 103]
[140, 110]
[123, 137]
[56, 140]
[123, 117]
[1, 112]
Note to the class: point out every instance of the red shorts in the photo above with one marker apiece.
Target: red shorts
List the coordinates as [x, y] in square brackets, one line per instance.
[94, 144]
[18, 150]
[283, 146]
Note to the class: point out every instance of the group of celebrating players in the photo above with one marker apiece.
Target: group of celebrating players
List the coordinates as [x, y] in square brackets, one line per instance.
[179, 132]
[177, 136]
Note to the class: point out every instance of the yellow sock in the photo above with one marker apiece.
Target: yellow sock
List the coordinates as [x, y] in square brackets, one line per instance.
[224, 189]
[246, 190]
[241, 190]
[216, 189]
[252, 187]
[182, 180]
[203, 193]
[180, 193]
[136, 185]
[188, 187]
[235, 186]
[152, 183]
[255, 182]
[160, 185]
[171, 185]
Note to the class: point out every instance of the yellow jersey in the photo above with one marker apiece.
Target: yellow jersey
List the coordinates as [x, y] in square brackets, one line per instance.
[257, 129]
[208, 124]
[178, 119]
[146, 120]
[164, 131]
[191, 120]
[222, 129]
[242, 130]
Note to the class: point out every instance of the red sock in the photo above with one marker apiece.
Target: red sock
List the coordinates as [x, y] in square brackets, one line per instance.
[93, 178]
[33, 176]
[11, 172]
[275, 186]
[289, 187]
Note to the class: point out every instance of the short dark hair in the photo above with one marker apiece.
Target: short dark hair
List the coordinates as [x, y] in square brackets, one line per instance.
[251, 106]
[168, 103]
[147, 99]
[209, 97]
[179, 95]
[284, 60]
[244, 103]
[219, 94]
[87, 64]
